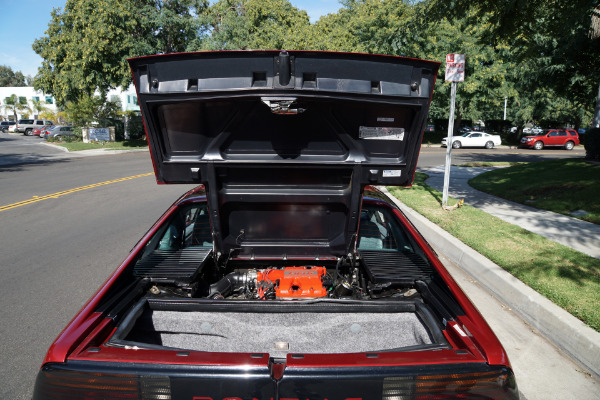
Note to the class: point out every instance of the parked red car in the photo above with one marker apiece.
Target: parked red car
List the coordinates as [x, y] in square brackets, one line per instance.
[40, 131]
[284, 275]
[565, 138]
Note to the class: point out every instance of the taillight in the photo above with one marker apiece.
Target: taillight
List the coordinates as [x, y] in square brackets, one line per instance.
[62, 384]
[490, 385]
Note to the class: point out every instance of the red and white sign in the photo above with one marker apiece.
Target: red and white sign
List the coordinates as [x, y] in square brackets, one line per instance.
[455, 67]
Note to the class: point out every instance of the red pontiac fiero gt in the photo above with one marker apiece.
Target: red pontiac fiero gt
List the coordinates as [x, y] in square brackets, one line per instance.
[284, 274]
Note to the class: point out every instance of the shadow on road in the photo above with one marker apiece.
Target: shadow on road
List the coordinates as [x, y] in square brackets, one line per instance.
[7, 139]
[459, 156]
[20, 162]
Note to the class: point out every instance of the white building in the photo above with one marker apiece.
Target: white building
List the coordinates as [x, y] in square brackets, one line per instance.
[28, 93]
[128, 99]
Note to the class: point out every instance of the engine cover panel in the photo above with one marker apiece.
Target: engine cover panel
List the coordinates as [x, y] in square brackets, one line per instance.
[295, 282]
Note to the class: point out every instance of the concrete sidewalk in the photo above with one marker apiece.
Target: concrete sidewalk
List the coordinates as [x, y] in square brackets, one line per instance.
[580, 235]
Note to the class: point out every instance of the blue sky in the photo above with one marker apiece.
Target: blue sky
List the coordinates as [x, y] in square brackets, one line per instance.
[23, 21]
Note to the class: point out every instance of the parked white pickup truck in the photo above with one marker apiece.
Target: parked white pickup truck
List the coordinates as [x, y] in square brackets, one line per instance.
[26, 126]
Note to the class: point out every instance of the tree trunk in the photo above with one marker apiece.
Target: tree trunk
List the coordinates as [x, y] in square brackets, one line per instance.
[457, 122]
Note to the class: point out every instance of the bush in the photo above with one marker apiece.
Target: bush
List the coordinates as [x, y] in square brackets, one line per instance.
[119, 127]
[498, 125]
[136, 127]
[592, 144]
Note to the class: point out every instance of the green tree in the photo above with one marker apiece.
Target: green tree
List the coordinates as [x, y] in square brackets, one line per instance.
[366, 26]
[170, 26]
[481, 96]
[252, 24]
[10, 78]
[92, 109]
[86, 45]
[554, 40]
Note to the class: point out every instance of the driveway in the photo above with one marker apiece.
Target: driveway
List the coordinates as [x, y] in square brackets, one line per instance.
[18, 149]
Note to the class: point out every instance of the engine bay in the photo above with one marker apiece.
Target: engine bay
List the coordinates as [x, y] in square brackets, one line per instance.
[188, 296]
[284, 283]
[180, 261]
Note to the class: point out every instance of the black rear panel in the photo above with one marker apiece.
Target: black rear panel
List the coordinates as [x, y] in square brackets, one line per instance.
[197, 382]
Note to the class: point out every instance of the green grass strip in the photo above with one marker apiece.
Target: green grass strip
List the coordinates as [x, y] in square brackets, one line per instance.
[562, 186]
[126, 145]
[567, 277]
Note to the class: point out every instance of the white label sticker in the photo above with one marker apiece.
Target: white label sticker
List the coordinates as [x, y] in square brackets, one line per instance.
[389, 173]
[385, 119]
[381, 133]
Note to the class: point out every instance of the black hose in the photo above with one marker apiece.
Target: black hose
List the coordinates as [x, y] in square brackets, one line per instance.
[226, 285]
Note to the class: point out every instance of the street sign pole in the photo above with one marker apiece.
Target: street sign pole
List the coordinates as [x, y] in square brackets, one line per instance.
[455, 72]
[449, 146]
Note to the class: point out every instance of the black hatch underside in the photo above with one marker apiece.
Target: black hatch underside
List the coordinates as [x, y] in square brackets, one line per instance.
[284, 142]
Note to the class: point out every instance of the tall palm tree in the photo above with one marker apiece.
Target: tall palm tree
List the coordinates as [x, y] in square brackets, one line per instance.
[12, 103]
[38, 107]
[15, 103]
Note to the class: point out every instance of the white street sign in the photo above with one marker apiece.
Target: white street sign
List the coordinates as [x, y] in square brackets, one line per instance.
[455, 67]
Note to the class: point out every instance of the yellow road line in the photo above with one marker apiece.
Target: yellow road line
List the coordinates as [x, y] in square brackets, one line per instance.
[35, 199]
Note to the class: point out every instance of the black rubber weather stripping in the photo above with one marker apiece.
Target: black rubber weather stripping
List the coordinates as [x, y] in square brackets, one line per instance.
[125, 326]
[327, 306]
[419, 347]
[116, 312]
[118, 339]
[434, 325]
[436, 304]
[446, 298]
[125, 295]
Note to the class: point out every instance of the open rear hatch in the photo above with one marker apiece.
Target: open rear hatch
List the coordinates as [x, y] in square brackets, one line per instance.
[284, 142]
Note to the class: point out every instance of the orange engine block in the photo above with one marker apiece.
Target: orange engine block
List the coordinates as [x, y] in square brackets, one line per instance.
[295, 282]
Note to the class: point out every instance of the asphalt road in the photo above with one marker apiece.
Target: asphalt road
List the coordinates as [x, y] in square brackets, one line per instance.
[56, 249]
[432, 156]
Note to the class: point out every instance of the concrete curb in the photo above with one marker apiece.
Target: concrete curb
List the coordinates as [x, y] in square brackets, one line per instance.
[64, 149]
[93, 152]
[578, 340]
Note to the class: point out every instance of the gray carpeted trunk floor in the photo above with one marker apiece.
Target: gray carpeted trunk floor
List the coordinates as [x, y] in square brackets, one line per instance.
[282, 333]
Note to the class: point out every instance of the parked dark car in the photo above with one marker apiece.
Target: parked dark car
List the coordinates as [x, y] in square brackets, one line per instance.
[565, 138]
[285, 273]
[5, 125]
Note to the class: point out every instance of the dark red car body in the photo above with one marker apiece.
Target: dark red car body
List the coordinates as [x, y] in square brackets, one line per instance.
[292, 208]
[565, 138]
[40, 131]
